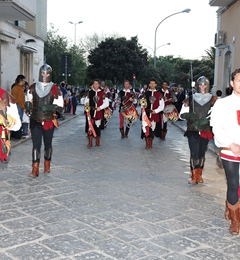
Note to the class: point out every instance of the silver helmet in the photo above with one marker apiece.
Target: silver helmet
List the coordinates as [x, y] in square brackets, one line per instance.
[47, 70]
[203, 81]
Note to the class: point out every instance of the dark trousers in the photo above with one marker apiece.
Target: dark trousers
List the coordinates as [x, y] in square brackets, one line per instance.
[197, 146]
[38, 133]
[232, 175]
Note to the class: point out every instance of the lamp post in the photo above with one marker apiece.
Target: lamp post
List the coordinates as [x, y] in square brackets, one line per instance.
[75, 30]
[157, 47]
[184, 11]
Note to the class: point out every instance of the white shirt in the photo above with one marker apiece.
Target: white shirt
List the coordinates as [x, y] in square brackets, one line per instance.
[224, 122]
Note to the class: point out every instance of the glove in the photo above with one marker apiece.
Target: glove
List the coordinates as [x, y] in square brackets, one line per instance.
[28, 106]
[189, 116]
[49, 108]
[202, 121]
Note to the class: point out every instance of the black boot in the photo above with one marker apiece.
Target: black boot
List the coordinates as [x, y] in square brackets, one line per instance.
[122, 132]
[126, 132]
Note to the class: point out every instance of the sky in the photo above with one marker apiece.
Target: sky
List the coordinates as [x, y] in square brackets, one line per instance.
[189, 34]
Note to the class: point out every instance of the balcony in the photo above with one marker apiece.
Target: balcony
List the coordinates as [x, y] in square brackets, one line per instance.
[220, 2]
[17, 10]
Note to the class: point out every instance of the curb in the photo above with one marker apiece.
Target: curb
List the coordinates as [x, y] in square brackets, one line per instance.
[68, 118]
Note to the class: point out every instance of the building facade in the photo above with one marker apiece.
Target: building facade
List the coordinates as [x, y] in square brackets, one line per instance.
[227, 42]
[23, 30]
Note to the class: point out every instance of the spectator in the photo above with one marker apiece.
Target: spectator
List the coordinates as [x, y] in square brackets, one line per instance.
[219, 93]
[18, 93]
[73, 103]
[25, 120]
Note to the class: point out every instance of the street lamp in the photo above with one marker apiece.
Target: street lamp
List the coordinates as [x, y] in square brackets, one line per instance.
[157, 47]
[184, 11]
[75, 30]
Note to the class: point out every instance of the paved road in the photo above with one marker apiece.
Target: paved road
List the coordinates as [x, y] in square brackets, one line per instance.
[116, 201]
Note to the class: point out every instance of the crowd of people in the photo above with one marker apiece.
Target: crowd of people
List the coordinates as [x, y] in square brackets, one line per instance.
[33, 110]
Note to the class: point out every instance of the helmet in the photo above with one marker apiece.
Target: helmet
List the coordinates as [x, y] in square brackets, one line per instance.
[45, 69]
[203, 81]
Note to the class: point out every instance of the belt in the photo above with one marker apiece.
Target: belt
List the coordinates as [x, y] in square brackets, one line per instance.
[226, 148]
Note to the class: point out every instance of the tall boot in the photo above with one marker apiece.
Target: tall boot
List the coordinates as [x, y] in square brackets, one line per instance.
[47, 160]
[194, 177]
[97, 141]
[226, 213]
[35, 164]
[200, 170]
[90, 137]
[122, 132]
[126, 132]
[163, 134]
[35, 170]
[147, 143]
[150, 142]
[234, 215]
[199, 177]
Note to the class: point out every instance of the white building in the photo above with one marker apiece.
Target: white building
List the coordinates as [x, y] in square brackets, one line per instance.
[23, 30]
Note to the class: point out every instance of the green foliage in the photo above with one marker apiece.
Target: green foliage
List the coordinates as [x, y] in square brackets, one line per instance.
[54, 48]
[117, 59]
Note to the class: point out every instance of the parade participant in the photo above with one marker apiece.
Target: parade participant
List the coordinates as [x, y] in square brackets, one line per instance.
[46, 98]
[95, 102]
[127, 104]
[225, 120]
[108, 110]
[169, 98]
[154, 104]
[196, 111]
[9, 120]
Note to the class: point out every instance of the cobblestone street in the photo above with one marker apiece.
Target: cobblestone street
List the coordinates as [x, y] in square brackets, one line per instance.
[116, 201]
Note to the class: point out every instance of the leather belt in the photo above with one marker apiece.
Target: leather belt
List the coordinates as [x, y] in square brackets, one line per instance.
[226, 148]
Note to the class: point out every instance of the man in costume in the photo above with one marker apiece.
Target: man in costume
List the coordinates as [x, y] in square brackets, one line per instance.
[127, 109]
[152, 104]
[9, 120]
[196, 110]
[95, 103]
[169, 98]
[225, 120]
[46, 98]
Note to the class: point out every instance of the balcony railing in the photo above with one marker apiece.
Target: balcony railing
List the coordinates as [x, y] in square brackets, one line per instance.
[17, 10]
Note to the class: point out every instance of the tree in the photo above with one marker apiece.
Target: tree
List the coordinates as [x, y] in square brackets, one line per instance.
[54, 48]
[117, 59]
[211, 54]
[91, 42]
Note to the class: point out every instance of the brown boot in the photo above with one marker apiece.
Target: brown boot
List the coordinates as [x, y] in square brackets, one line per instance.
[122, 132]
[200, 179]
[35, 170]
[147, 143]
[126, 132]
[234, 215]
[194, 177]
[163, 135]
[97, 141]
[47, 166]
[90, 137]
[226, 213]
[150, 142]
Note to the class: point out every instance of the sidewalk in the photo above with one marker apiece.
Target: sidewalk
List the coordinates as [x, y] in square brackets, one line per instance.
[16, 142]
[116, 201]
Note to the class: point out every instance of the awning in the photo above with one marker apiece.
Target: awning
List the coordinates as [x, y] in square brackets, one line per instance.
[7, 38]
[27, 48]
